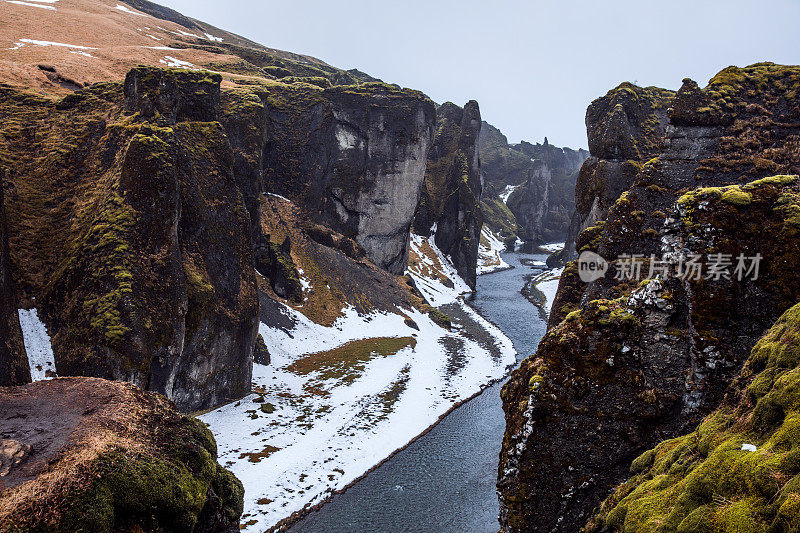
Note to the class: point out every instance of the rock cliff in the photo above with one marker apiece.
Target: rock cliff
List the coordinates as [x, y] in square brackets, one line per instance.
[625, 128]
[529, 191]
[544, 204]
[14, 368]
[452, 189]
[354, 157]
[85, 454]
[128, 229]
[628, 363]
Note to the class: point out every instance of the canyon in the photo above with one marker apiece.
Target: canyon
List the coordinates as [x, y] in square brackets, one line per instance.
[237, 281]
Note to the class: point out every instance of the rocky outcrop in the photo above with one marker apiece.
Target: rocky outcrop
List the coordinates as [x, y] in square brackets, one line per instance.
[452, 190]
[626, 128]
[737, 469]
[354, 158]
[139, 253]
[544, 204]
[629, 363]
[14, 368]
[85, 454]
[501, 165]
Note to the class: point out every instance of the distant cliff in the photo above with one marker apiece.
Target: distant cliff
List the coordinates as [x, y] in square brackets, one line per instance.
[529, 192]
[628, 363]
[544, 204]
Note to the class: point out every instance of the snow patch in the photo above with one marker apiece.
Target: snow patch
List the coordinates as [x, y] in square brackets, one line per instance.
[37, 345]
[489, 250]
[127, 10]
[553, 247]
[175, 62]
[432, 271]
[748, 448]
[51, 43]
[547, 283]
[213, 38]
[507, 192]
[278, 196]
[81, 52]
[31, 4]
[316, 435]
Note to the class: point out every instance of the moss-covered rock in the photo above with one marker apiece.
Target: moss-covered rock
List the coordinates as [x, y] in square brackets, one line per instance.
[111, 457]
[139, 253]
[452, 188]
[14, 368]
[718, 185]
[739, 470]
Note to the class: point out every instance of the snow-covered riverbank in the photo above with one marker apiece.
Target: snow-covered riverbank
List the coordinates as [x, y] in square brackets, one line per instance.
[336, 401]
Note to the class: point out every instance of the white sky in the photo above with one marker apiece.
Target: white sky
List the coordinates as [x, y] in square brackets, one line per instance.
[533, 66]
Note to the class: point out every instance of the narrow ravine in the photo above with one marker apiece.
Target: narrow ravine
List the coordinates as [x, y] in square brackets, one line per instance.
[445, 480]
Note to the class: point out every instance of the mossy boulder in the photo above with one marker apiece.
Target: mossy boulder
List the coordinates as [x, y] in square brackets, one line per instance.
[111, 457]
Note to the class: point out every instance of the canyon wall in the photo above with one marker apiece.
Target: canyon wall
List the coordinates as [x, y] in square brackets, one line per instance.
[625, 128]
[544, 204]
[452, 188]
[628, 363]
[14, 369]
[354, 157]
[529, 188]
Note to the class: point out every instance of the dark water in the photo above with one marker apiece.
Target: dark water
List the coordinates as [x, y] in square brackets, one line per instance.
[445, 481]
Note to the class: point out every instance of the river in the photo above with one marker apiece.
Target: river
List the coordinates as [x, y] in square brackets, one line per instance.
[444, 482]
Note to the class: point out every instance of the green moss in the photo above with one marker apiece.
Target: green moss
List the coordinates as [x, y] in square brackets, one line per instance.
[778, 181]
[705, 481]
[736, 196]
[440, 318]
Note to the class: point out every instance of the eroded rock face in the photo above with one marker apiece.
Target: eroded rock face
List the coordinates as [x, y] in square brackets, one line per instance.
[354, 158]
[626, 128]
[451, 194]
[14, 369]
[139, 254]
[107, 456]
[626, 365]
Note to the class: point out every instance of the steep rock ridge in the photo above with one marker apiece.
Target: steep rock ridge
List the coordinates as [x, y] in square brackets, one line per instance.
[354, 157]
[633, 364]
[544, 204]
[139, 252]
[452, 188]
[501, 165]
[625, 129]
[85, 454]
[14, 368]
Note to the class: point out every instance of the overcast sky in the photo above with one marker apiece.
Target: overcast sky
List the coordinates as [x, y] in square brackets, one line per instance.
[533, 66]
